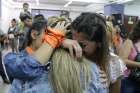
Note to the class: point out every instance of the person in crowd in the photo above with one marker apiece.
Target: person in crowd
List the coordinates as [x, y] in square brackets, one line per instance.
[3, 47]
[13, 27]
[6, 49]
[27, 22]
[116, 39]
[25, 10]
[117, 63]
[6, 42]
[12, 31]
[90, 31]
[39, 17]
[22, 14]
[1, 39]
[30, 68]
[129, 51]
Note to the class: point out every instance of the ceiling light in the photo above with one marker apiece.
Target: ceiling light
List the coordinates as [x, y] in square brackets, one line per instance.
[37, 2]
[123, 1]
[89, 1]
[67, 4]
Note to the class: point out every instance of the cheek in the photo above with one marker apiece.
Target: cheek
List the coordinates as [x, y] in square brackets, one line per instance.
[89, 50]
[40, 39]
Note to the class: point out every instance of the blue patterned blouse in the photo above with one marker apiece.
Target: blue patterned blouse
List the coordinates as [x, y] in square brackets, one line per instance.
[32, 77]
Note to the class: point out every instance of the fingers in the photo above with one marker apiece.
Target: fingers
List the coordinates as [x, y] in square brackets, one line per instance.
[74, 47]
[67, 31]
[68, 24]
[57, 25]
[78, 50]
[63, 24]
[71, 51]
[60, 25]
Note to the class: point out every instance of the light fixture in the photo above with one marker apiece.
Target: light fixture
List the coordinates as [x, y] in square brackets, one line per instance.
[90, 1]
[67, 4]
[123, 1]
[37, 2]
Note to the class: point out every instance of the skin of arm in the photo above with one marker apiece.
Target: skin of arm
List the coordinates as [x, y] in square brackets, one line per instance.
[43, 53]
[115, 87]
[124, 53]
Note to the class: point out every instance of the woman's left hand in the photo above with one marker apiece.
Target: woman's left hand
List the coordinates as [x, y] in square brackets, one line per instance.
[73, 46]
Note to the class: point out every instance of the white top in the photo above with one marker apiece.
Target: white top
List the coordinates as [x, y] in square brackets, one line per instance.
[116, 67]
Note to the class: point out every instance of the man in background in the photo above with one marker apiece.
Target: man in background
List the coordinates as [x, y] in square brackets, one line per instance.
[27, 23]
[13, 39]
[25, 10]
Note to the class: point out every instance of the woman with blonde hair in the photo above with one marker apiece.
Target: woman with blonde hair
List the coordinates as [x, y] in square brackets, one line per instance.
[68, 75]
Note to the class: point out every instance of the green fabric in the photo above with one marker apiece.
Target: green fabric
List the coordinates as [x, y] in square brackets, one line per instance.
[21, 26]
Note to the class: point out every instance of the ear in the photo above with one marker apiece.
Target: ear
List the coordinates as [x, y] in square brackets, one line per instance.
[34, 34]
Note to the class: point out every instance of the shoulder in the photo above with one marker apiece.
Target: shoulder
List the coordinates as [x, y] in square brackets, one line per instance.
[94, 67]
[116, 67]
[94, 72]
[20, 58]
[128, 42]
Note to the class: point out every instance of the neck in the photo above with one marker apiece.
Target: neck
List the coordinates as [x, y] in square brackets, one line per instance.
[91, 58]
[25, 10]
[33, 47]
[13, 26]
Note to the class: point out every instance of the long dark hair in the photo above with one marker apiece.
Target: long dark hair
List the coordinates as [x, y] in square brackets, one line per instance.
[94, 26]
[38, 25]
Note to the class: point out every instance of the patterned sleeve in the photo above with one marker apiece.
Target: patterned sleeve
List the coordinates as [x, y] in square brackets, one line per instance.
[93, 85]
[22, 67]
[116, 68]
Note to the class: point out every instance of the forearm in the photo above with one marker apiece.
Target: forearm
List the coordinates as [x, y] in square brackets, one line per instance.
[131, 63]
[115, 88]
[43, 53]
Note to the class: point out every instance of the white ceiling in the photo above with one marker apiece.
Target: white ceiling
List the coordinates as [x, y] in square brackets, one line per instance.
[76, 5]
[82, 3]
[54, 2]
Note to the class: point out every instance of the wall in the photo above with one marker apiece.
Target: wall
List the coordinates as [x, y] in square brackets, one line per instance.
[5, 16]
[11, 10]
[99, 8]
[16, 12]
[73, 15]
[132, 8]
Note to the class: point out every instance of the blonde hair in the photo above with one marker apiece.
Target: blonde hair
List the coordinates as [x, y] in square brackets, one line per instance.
[54, 19]
[110, 32]
[67, 74]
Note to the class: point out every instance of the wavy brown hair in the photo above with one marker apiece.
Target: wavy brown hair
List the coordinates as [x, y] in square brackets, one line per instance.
[94, 26]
